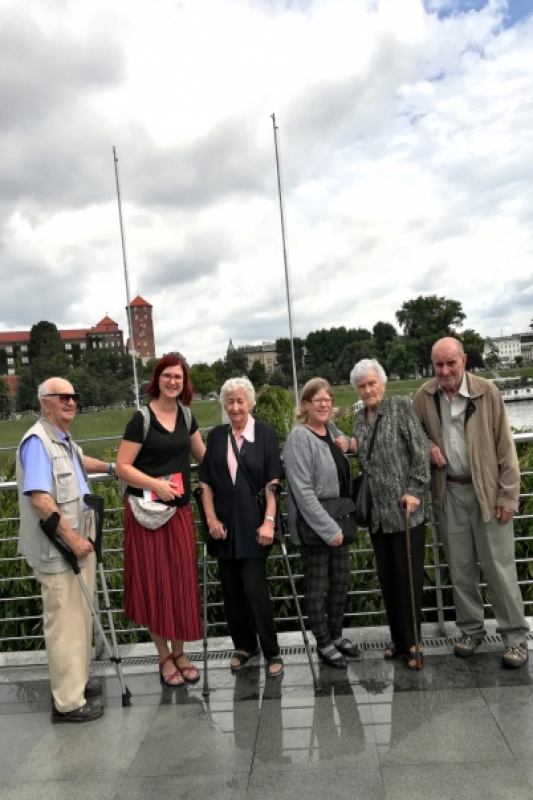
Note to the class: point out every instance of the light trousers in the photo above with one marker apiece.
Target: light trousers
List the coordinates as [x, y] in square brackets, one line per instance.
[67, 624]
[470, 543]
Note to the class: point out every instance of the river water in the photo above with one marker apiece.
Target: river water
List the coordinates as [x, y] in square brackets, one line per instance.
[520, 413]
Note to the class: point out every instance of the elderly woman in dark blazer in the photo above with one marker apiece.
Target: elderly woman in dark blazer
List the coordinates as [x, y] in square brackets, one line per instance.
[399, 472]
[240, 535]
[318, 470]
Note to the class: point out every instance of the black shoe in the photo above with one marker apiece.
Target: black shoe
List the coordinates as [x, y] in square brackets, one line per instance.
[92, 689]
[85, 713]
[336, 663]
[348, 648]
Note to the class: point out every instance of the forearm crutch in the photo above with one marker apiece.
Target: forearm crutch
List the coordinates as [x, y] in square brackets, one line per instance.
[280, 536]
[49, 528]
[412, 589]
[198, 492]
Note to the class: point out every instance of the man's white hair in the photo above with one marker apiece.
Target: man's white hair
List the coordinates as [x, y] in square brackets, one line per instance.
[47, 386]
[235, 385]
[363, 367]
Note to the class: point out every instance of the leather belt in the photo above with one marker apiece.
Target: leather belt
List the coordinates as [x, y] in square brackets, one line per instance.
[461, 481]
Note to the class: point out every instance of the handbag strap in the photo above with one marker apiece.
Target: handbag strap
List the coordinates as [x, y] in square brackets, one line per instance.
[371, 442]
[241, 463]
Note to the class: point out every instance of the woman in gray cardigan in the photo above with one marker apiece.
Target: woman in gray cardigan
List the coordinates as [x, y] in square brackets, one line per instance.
[318, 469]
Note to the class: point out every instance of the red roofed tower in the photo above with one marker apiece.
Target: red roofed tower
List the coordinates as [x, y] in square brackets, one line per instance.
[142, 329]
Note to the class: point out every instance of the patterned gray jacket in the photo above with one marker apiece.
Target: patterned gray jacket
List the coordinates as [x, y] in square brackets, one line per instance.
[399, 462]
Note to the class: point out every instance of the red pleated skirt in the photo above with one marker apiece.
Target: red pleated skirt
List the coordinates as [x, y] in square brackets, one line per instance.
[161, 589]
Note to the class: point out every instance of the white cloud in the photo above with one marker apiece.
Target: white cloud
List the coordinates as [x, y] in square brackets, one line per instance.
[405, 150]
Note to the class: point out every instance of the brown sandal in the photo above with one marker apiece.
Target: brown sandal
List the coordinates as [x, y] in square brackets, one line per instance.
[172, 678]
[190, 673]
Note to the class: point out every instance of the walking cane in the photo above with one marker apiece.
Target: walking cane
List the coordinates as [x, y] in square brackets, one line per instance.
[49, 528]
[198, 492]
[411, 587]
[280, 536]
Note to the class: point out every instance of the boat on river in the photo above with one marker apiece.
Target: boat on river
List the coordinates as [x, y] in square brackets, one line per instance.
[520, 393]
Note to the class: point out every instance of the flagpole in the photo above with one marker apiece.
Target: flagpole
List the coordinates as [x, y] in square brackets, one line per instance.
[285, 257]
[126, 279]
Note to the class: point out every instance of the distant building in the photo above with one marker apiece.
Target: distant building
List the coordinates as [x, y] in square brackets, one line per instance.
[142, 329]
[509, 347]
[14, 344]
[264, 353]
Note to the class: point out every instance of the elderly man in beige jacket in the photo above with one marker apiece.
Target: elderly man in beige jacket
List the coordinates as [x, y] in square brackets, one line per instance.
[475, 484]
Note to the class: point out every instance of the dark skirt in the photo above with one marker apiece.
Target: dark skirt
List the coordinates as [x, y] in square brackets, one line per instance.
[161, 589]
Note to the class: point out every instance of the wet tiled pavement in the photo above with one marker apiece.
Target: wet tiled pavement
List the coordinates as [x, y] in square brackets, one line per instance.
[458, 729]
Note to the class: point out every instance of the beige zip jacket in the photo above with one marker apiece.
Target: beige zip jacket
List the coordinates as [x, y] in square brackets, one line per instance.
[489, 440]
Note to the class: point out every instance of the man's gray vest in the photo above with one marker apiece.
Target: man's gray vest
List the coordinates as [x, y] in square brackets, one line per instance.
[38, 551]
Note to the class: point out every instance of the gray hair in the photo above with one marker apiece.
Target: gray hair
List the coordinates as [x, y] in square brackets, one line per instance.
[449, 339]
[236, 385]
[46, 386]
[363, 367]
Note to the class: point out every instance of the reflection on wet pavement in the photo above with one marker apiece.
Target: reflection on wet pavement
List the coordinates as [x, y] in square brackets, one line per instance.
[459, 728]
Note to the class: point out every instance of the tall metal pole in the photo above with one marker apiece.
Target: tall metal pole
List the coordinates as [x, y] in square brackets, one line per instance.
[285, 258]
[128, 308]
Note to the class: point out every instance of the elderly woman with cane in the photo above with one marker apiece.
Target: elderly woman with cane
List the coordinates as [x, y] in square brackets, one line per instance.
[241, 461]
[319, 476]
[392, 448]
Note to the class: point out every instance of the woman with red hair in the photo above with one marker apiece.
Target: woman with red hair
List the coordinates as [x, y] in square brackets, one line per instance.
[160, 580]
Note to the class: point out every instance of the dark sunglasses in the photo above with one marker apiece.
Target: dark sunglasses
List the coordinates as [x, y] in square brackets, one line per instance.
[64, 397]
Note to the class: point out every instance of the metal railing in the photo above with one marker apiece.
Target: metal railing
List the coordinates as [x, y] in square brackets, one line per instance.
[19, 589]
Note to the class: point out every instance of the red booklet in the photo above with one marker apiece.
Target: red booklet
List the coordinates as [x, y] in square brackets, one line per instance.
[177, 480]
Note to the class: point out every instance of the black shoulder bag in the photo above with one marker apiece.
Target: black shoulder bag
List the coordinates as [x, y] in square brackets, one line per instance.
[361, 492]
[259, 495]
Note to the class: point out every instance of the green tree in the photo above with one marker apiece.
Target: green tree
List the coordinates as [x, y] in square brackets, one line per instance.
[399, 359]
[383, 333]
[258, 374]
[473, 345]
[518, 361]
[326, 345]
[274, 406]
[203, 378]
[426, 319]
[5, 402]
[26, 397]
[278, 378]
[87, 385]
[236, 364]
[493, 356]
[220, 371]
[283, 354]
[45, 341]
[351, 354]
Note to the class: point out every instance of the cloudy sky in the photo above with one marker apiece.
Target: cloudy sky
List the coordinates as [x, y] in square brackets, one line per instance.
[406, 135]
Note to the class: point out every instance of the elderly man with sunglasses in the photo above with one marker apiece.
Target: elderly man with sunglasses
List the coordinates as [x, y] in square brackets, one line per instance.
[52, 478]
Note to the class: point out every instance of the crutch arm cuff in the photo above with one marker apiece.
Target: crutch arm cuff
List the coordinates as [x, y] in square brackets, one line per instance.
[49, 528]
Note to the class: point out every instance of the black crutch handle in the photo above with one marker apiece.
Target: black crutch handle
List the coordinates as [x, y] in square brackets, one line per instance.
[49, 528]
[97, 502]
[279, 532]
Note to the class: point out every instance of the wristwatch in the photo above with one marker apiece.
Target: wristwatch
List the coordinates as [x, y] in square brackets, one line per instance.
[270, 519]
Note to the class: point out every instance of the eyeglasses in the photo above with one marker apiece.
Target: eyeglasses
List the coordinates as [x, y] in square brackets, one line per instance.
[64, 397]
[169, 378]
[318, 401]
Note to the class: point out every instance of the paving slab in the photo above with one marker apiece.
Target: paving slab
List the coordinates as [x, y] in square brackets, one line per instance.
[442, 727]
[196, 740]
[497, 780]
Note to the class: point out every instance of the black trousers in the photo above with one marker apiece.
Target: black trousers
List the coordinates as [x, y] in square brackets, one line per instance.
[248, 606]
[391, 561]
[326, 569]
